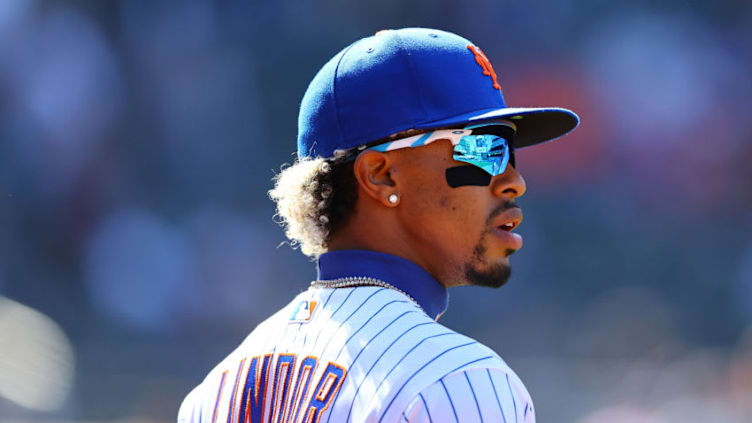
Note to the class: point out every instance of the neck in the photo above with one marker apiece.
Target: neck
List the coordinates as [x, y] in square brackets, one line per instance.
[380, 229]
[378, 238]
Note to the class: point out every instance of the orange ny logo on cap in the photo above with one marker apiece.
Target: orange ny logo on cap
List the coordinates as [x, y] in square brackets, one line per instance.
[485, 64]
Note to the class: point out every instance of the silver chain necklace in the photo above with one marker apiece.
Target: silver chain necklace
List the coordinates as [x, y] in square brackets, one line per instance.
[354, 281]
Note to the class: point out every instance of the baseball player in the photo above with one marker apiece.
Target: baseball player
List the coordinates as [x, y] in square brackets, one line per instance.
[405, 185]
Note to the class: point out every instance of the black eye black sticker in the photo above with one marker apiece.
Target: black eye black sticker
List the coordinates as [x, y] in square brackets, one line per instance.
[459, 176]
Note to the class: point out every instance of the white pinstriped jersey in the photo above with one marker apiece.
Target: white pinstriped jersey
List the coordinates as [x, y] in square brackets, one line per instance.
[358, 354]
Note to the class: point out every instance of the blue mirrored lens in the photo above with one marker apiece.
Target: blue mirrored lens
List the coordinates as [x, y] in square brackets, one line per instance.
[488, 152]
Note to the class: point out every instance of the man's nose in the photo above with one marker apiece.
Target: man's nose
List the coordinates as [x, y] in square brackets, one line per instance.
[509, 184]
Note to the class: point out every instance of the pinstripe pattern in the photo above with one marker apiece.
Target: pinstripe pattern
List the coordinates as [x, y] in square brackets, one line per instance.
[451, 403]
[400, 365]
[318, 333]
[418, 371]
[357, 390]
[379, 290]
[408, 353]
[475, 398]
[511, 394]
[425, 406]
[496, 395]
[354, 361]
[364, 324]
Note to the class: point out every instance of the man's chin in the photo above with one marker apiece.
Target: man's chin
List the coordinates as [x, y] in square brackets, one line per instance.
[494, 276]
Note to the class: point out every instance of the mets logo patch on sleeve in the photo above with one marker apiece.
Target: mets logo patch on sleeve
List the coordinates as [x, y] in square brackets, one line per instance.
[303, 312]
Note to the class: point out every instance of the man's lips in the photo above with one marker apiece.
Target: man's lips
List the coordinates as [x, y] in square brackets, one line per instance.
[504, 223]
[508, 220]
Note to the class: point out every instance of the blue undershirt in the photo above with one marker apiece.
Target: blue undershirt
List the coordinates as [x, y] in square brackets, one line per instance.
[403, 274]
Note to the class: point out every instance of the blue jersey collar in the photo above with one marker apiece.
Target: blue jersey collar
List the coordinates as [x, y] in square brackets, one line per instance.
[396, 271]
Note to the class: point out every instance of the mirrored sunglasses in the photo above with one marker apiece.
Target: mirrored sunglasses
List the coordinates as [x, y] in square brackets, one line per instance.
[492, 153]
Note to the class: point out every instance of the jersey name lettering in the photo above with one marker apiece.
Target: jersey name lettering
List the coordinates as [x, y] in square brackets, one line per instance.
[288, 387]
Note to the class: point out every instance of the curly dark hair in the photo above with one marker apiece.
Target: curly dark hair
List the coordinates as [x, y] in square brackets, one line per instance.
[316, 197]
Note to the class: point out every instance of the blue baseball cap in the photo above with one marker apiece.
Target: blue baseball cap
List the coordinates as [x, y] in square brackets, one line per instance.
[411, 78]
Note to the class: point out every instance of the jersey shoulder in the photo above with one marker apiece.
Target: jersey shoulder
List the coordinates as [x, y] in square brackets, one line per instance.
[416, 361]
[464, 377]
[473, 395]
[461, 350]
[475, 356]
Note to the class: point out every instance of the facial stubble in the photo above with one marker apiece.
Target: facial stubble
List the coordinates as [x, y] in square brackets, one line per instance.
[479, 271]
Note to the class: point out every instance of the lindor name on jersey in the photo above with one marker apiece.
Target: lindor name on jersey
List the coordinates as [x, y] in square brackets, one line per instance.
[289, 394]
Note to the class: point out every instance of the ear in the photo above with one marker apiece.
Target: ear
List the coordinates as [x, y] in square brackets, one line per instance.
[375, 174]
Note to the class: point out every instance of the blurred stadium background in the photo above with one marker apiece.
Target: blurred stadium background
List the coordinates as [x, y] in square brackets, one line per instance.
[137, 246]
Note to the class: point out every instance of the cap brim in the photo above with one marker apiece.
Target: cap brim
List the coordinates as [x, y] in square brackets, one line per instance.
[534, 125]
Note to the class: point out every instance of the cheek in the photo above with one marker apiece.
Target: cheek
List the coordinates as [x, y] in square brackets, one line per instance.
[446, 218]
[450, 217]
[465, 218]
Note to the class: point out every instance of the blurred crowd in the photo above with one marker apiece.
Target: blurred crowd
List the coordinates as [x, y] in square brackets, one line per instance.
[137, 244]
